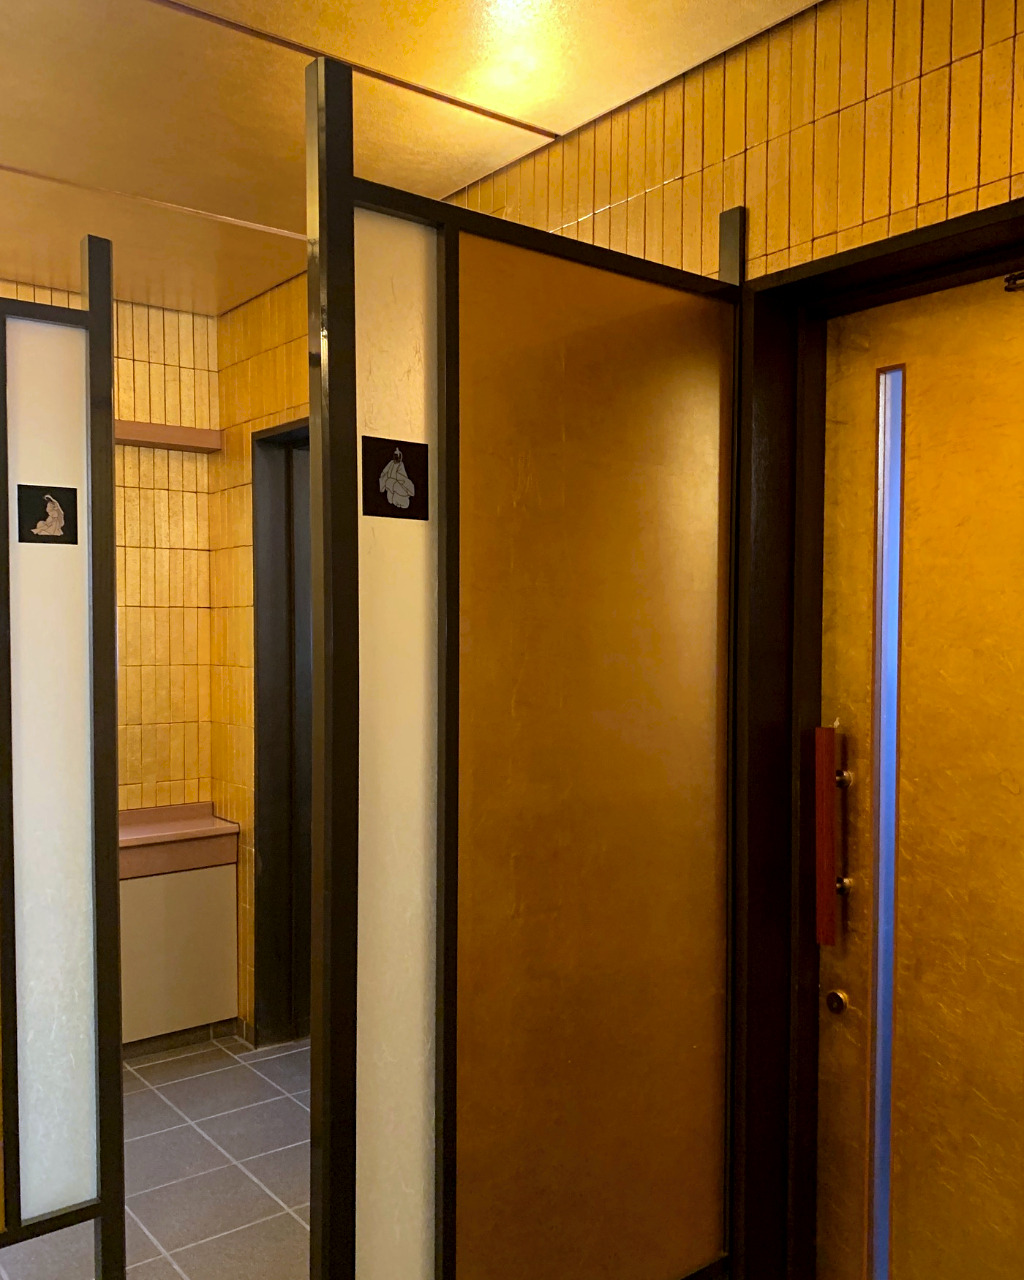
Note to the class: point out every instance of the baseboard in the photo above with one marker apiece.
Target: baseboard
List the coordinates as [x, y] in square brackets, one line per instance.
[190, 1035]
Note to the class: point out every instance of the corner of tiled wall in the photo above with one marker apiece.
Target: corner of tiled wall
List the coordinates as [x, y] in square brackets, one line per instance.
[853, 121]
[264, 382]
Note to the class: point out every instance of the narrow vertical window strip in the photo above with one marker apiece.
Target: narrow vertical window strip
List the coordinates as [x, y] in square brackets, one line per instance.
[886, 711]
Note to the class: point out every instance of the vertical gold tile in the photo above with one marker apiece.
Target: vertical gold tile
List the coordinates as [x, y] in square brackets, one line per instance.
[966, 27]
[826, 59]
[499, 197]
[906, 61]
[619, 155]
[757, 200]
[618, 230]
[692, 222]
[145, 517]
[881, 15]
[877, 156]
[936, 34]
[851, 166]
[802, 76]
[672, 224]
[540, 189]
[146, 581]
[188, 471]
[155, 330]
[1017, 145]
[906, 104]
[934, 135]
[735, 121]
[801, 182]
[756, 125]
[654, 133]
[172, 395]
[635, 225]
[171, 343]
[780, 62]
[777, 221]
[714, 111]
[157, 398]
[585, 229]
[636, 162]
[964, 124]
[826, 175]
[996, 110]
[145, 468]
[186, 348]
[999, 22]
[734, 175]
[123, 330]
[654, 215]
[187, 392]
[853, 52]
[131, 518]
[570, 180]
[140, 332]
[712, 200]
[555, 168]
[673, 112]
[586, 171]
[124, 378]
[693, 122]
[602, 164]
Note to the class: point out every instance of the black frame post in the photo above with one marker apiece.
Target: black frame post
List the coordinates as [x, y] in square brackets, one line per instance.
[335, 591]
[446, 1080]
[97, 277]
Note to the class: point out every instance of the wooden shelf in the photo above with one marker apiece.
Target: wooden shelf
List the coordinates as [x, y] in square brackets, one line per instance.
[156, 435]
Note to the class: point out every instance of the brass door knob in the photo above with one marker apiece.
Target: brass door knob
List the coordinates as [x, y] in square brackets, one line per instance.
[837, 1001]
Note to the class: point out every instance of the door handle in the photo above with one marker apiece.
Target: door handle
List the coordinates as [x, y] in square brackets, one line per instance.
[828, 883]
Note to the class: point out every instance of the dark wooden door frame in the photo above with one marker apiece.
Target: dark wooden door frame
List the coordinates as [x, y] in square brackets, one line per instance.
[276, 1014]
[778, 612]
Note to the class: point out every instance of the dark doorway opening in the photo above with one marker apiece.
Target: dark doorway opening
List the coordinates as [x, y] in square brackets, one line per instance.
[283, 711]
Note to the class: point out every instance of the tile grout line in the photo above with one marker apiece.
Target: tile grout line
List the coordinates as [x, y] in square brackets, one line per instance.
[220, 1235]
[163, 1252]
[247, 1172]
[217, 1115]
[174, 1181]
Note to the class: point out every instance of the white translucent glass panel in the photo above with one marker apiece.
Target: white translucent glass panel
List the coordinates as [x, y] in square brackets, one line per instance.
[51, 722]
[396, 344]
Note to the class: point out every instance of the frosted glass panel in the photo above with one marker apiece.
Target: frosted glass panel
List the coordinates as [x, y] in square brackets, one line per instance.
[52, 777]
[396, 333]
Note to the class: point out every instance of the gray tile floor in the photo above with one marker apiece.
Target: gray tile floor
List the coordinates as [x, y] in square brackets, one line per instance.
[216, 1171]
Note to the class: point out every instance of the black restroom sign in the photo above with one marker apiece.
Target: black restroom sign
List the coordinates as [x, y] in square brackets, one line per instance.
[47, 514]
[395, 479]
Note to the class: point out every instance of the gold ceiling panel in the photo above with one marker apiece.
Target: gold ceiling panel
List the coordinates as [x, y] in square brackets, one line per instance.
[553, 63]
[161, 257]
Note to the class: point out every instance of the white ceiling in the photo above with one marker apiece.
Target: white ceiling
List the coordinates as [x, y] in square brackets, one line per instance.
[131, 106]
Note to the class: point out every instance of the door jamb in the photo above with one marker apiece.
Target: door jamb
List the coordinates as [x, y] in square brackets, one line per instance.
[272, 634]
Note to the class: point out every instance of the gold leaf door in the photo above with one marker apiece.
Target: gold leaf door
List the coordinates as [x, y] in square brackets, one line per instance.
[956, 1204]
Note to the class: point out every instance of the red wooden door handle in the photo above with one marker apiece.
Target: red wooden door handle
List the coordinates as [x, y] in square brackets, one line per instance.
[825, 835]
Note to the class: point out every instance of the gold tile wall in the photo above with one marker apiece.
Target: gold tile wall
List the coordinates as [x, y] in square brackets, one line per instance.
[264, 381]
[165, 372]
[855, 120]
